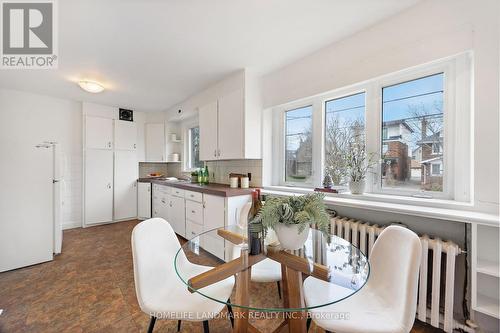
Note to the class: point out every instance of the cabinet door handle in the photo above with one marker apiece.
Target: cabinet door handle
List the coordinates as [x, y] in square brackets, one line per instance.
[109, 144]
[193, 212]
[215, 153]
[218, 153]
[109, 185]
[135, 146]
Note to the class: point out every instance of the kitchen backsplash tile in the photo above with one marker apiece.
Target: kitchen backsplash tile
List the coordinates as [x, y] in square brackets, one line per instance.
[220, 170]
[146, 168]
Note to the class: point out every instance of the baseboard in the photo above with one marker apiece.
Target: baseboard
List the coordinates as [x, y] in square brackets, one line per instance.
[71, 225]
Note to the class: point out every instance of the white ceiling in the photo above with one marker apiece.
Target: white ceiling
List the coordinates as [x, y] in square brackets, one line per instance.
[151, 54]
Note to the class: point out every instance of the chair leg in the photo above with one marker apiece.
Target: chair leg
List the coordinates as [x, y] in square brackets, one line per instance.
[151, 324]
[205, 327]
[230, 312]
[178, 325]
[279, 288]
[308, 324]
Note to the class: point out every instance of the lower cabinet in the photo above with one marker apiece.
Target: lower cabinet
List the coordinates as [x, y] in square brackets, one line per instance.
[144, 201]
[177, 214]
[192, 213]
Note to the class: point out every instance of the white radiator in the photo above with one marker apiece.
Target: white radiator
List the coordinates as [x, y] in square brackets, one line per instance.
[363, 235]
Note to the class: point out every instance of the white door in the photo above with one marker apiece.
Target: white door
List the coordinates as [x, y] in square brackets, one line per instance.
[144, 201]
[231, 133]
[125, 189]
[98, 133]
[125, 135]
[207, 116]
[98, 186]
[155, 142]
[177, 215]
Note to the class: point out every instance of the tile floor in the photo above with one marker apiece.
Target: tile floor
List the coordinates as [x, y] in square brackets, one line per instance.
[90, 288]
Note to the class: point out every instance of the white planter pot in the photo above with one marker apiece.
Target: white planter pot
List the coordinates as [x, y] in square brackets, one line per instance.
[357, 187]
[289, 236]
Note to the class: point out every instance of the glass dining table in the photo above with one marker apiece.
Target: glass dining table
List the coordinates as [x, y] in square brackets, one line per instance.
[340, 266]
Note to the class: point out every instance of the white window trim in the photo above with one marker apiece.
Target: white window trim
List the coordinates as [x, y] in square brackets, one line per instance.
[186, 126]
[457, 103]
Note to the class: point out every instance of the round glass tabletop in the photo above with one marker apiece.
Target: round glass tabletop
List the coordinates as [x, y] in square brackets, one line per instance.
[340, 269]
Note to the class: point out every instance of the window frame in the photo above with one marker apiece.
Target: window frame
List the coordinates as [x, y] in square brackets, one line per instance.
[282, 145]
[187, 126]
[457, 111]
[447, 68]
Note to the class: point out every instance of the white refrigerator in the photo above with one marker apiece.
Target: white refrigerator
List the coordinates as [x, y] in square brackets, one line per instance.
[30, 205]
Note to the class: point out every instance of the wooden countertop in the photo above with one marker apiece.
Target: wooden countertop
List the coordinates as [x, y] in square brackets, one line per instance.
[222, 190]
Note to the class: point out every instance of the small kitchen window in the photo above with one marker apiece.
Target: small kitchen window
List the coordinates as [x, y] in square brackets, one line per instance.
[194, 148]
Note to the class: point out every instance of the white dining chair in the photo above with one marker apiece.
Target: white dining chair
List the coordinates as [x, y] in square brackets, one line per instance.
[387, 303]
[160, 292]
[267, 270]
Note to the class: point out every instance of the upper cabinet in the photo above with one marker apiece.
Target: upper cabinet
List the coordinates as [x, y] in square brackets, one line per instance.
[99, 133]
[208, 131]
[230, 125]
[125, 135]
[155, 142]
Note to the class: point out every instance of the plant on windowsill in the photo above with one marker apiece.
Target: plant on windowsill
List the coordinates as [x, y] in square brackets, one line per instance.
[358, 164]
[291, 218]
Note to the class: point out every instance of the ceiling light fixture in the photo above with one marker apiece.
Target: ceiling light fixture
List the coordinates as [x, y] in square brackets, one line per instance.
[91, 86]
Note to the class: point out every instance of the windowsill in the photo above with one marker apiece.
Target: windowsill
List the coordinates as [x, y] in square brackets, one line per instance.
[448, 210]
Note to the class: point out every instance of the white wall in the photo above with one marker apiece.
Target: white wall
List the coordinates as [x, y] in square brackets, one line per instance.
[26, 117]
[426, 32]
[189, 107]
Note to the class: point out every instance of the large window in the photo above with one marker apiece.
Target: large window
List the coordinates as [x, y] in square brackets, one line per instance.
[414, 126]
[412, 118]
[194, 148]
[298, 145]
[344, 126]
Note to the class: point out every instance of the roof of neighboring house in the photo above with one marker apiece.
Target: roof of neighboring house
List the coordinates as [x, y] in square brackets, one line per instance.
[436, 137]
[434, 159]
[397, 122]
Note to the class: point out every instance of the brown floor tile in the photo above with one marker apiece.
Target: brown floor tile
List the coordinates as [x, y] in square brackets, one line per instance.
[90, 288]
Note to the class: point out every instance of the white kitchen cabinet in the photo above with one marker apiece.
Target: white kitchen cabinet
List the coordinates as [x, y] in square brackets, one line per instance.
[161, 201]
[144, 200]
[177, 214]
[231, 124]
[98, 186]
[125, 135]
[486, 270]
[213, 212]
[125, 184]
[155, 142]
[98, 133]
[207, 115]
[231, 132]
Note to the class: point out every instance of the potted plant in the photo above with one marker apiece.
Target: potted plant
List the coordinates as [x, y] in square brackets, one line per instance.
[291, 218]
[358, 164]
[194, 176]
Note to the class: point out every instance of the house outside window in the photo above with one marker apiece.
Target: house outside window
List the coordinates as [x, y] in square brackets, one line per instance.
[413, 113]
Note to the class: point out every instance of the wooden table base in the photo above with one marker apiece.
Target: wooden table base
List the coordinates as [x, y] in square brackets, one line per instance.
[293, 297]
